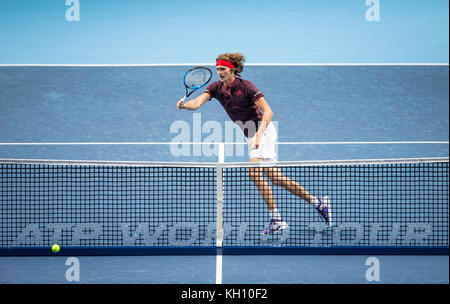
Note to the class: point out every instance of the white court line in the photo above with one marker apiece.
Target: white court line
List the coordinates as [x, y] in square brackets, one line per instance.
[219, 269]
[210, 64]
[361, 142]
[216, 143]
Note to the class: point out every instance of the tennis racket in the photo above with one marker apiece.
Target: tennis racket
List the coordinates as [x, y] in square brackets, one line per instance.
[194, 79]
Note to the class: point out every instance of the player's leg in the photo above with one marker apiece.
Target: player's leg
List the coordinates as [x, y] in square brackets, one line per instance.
[321, 204]
[257, 176]
[279, 179]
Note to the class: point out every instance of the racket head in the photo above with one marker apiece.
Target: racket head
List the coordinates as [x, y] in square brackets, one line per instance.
[197, 77]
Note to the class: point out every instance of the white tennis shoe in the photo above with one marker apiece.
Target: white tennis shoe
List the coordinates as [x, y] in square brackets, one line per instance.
[274, 227]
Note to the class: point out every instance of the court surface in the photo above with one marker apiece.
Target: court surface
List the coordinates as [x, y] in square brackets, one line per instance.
[345, 108]
[302, 269]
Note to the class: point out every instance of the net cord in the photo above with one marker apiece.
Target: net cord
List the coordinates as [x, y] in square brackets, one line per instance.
[223, 165]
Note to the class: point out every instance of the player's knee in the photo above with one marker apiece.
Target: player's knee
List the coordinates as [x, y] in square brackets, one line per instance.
[254, 174]
[273, 176]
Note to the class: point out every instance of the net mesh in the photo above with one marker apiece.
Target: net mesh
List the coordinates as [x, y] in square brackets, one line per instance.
[393, 204]
[371, 205]
[76, 205]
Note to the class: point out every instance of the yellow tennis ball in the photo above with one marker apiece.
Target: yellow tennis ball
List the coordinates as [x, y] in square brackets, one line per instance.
[55, 248]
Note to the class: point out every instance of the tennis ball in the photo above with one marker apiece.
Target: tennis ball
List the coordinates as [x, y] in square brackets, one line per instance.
[55, 248]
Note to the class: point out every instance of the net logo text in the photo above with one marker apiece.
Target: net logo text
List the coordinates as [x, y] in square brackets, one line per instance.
[188, 233]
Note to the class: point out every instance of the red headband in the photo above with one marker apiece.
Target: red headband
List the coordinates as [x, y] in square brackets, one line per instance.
[225, 63]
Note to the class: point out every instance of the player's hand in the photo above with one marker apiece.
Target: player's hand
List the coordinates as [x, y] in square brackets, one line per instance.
[254, 143]
[180, 104]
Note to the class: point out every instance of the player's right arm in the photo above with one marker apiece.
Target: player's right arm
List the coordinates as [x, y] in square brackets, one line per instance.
[195, 103]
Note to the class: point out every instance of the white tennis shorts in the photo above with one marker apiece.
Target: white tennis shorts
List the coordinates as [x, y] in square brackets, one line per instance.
[267, 145]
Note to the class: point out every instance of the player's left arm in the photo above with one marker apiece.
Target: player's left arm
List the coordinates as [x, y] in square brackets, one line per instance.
[267, 116]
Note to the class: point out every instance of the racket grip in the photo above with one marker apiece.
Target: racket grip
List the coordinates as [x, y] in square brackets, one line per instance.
[183, 99]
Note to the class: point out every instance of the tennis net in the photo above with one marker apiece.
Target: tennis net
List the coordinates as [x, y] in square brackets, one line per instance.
[401, 203]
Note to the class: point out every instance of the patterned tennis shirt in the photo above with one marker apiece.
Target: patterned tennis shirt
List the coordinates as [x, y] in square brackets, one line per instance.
[239, 102]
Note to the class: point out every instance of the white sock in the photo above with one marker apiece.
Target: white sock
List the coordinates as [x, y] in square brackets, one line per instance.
[275, 215]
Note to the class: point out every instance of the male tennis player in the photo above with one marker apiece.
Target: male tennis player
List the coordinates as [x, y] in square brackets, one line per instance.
[246, 106]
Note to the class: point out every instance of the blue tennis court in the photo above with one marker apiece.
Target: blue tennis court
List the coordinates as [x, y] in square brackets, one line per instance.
[122, 114]
[266, 269]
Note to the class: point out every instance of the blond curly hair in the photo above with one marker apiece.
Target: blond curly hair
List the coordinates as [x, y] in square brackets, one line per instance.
[235, 58]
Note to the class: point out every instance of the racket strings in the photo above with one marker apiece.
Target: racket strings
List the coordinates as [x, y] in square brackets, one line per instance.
[197, 78]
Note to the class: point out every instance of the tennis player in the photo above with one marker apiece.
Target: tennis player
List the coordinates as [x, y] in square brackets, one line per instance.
[246, 106]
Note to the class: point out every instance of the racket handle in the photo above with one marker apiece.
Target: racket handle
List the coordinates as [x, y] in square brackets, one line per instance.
[183, 99]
